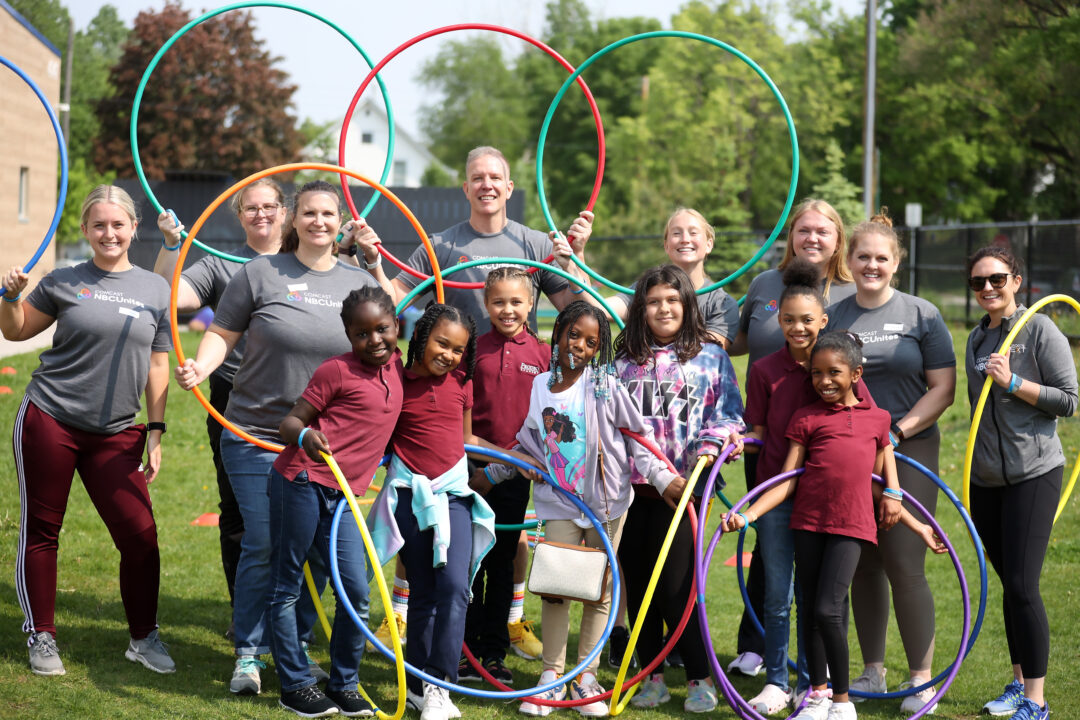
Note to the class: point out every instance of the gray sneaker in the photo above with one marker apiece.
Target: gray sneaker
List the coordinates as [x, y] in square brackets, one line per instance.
[151, 652]
[245, 677]
[44, 657]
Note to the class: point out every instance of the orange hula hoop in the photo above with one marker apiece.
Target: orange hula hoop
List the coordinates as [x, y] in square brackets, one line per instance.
[291, 167]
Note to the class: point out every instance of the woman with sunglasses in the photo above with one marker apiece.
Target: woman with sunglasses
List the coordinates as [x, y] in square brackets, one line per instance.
[910, 369]
[1018, 464]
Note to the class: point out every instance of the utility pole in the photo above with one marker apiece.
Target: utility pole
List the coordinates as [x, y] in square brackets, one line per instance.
[65, 104]
[869, 107]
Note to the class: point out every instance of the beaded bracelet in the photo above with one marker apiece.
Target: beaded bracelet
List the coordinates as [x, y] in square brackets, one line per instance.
[300, 437]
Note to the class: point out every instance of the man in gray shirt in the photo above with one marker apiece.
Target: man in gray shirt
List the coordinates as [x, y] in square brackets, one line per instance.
[488, 233]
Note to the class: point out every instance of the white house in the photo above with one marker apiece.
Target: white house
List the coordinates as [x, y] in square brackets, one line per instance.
[365, 149]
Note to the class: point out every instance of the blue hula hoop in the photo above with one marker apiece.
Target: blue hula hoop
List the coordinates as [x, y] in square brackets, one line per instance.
[979, 553]
[613, 563]
[701, 568]
[62, 193]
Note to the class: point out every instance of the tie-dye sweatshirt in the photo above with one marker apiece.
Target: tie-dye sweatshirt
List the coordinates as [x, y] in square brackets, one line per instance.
[690, 406]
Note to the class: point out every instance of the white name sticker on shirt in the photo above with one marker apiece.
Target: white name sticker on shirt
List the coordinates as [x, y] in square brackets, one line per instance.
[298, 288]
[128, 311]
[893, 327]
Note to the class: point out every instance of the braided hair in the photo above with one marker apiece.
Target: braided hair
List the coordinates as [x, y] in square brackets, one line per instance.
[636, 340]
[844, 342]
[433, 313]
[372, 294]
[604, 357]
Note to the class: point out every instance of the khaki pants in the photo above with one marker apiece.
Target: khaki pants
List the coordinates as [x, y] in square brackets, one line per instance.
[555, 616]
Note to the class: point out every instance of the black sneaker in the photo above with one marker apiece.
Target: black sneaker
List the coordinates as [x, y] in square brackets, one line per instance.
[674, 658]
[350, 702]
[617, 642]
[466, 673]
[499, 671]
[309, 702]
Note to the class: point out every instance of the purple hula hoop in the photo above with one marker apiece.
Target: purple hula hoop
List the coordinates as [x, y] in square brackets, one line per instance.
[704, 560]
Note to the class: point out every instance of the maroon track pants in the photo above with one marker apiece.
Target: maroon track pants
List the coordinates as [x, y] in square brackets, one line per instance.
[47, 455]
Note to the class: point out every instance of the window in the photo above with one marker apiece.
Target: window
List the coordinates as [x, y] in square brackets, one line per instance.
[24, 194]
[398, 178]
[367, 138]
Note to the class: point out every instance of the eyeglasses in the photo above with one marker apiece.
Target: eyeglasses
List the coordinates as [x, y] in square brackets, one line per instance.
[268, 210]
[997, 280]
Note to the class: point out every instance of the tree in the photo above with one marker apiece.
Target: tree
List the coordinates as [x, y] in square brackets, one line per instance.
[96, 49]
[844, 195]
[216, 101]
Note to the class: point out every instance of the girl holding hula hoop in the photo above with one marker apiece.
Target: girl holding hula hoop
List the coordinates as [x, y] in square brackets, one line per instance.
[1018, 464]
[111, 345]
[287, 307]
[838, 441]
[685, 387]
[260, 208]
[911, 371]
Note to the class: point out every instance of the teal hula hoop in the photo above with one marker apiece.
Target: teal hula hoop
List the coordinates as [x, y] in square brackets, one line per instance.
[425, 284]
[792, 185]
[134, 138]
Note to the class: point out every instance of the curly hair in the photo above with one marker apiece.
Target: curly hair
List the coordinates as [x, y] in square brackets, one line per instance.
[371, 294]
[602, 360]
[561, 425]
[801, 280]
[842, 341]
[636, 340]
[431, 317]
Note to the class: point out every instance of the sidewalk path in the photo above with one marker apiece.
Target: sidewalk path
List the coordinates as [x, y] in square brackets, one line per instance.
[34, 344]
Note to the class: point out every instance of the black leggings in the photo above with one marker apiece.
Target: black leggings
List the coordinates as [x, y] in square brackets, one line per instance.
[1014, 523]
[824, 567]
[647, 524]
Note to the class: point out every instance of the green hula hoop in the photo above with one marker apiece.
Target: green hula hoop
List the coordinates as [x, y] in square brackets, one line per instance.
[203, 18]
[792, 185]
[425, 284]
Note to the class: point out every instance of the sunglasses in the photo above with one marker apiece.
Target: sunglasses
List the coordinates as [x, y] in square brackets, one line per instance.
[997, 281]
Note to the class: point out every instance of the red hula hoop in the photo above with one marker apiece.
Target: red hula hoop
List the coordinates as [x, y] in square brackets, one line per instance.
[439, 31]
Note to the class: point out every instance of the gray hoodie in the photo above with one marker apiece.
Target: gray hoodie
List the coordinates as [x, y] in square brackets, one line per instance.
[603, 420]
[1017, 441]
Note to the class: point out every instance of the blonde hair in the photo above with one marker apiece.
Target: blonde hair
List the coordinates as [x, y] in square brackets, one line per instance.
[838, 269]
[484, 151]
[236, 201]
[109, 194]
[880, 224]
[709, 231]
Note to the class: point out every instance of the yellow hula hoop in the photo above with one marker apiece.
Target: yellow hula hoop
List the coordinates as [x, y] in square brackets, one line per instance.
[380, 581]
[617, 707]
[969, 452]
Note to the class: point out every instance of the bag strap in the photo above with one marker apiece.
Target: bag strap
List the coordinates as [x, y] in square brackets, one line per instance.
[603, 485]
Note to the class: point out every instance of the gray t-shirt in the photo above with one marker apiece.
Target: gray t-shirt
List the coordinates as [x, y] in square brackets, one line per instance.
[107, 324]
[461, 243]
[720, 311]
[292, 317]
[758, 318]
[208, 279]
[902, 339]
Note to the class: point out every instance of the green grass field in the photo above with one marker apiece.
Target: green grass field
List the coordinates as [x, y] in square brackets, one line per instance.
[194, 609]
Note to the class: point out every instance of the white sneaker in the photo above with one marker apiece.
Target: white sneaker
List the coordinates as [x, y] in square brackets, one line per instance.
[416, 702]
[436, 703]
[842, 711]
[747, 663]
[534, 710]
[588, 687]
[872, 680]
[917, 701]
[771, 700]
[817, 706]
[652, 693]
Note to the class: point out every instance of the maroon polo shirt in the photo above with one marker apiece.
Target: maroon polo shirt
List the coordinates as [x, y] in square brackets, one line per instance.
[502, 381]
[429, 436]
[348, 395]
[834, 494]
[777, 387]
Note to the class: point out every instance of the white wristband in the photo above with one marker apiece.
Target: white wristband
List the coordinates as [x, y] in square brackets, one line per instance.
[372, 266]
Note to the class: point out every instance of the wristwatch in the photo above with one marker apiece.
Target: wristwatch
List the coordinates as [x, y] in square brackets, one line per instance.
[157, 426]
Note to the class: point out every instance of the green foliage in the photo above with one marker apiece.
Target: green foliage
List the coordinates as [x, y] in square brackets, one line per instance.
[435, 176]
[837, 190]
[81, 180]
[216, 102]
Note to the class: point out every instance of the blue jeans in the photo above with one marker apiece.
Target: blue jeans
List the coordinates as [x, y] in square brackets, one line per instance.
[438, 597]
[301, 513]
[248, 468]
[777, 543]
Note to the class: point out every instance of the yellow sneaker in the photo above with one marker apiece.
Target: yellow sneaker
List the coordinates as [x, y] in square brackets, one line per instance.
[523, 640]
[383, 633]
